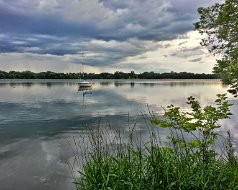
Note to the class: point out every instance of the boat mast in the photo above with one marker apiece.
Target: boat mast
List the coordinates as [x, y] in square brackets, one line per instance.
[82, 64]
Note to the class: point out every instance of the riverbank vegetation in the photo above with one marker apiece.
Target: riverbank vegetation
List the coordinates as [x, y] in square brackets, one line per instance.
[115, 75]
[187, 159]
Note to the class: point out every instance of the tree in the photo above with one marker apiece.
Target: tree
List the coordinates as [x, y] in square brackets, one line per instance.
[220, 24]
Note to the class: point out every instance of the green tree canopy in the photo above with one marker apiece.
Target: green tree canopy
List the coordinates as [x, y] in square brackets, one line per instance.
[220, 24]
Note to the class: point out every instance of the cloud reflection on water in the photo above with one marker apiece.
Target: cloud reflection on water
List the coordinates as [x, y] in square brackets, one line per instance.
[38, 116]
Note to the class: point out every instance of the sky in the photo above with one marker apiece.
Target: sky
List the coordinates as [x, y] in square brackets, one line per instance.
[112, 35]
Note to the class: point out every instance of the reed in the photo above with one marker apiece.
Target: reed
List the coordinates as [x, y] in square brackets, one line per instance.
[112, 163]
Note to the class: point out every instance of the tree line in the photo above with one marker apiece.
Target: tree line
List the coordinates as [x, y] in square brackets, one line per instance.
[105, 75]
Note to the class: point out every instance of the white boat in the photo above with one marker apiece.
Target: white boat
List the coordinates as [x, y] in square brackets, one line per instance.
[85, 84]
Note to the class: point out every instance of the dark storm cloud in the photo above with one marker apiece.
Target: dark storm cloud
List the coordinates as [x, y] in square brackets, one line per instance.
[152, 27]
[35, 44]
[47, 25]
[63, 27]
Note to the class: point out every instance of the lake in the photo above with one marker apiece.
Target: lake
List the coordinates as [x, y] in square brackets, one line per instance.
[39, 118]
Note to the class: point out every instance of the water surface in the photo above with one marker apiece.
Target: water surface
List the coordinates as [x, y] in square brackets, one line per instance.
[39, 117]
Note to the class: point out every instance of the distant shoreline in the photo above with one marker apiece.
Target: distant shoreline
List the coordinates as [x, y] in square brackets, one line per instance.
[116, 75]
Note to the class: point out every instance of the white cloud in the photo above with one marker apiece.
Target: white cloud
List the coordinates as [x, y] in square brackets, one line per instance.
[174, 55]
[181, 54]
[140, 35]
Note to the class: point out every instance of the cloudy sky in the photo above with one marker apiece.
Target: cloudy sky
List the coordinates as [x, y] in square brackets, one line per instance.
[123, 35]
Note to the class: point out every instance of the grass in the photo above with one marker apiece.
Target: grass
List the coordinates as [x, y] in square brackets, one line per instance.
[155, 167]
[112, 164]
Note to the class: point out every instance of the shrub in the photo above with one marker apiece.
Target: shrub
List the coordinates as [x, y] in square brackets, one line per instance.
[190, 163]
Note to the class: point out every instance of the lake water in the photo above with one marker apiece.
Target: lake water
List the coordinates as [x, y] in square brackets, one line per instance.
[39, 117]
